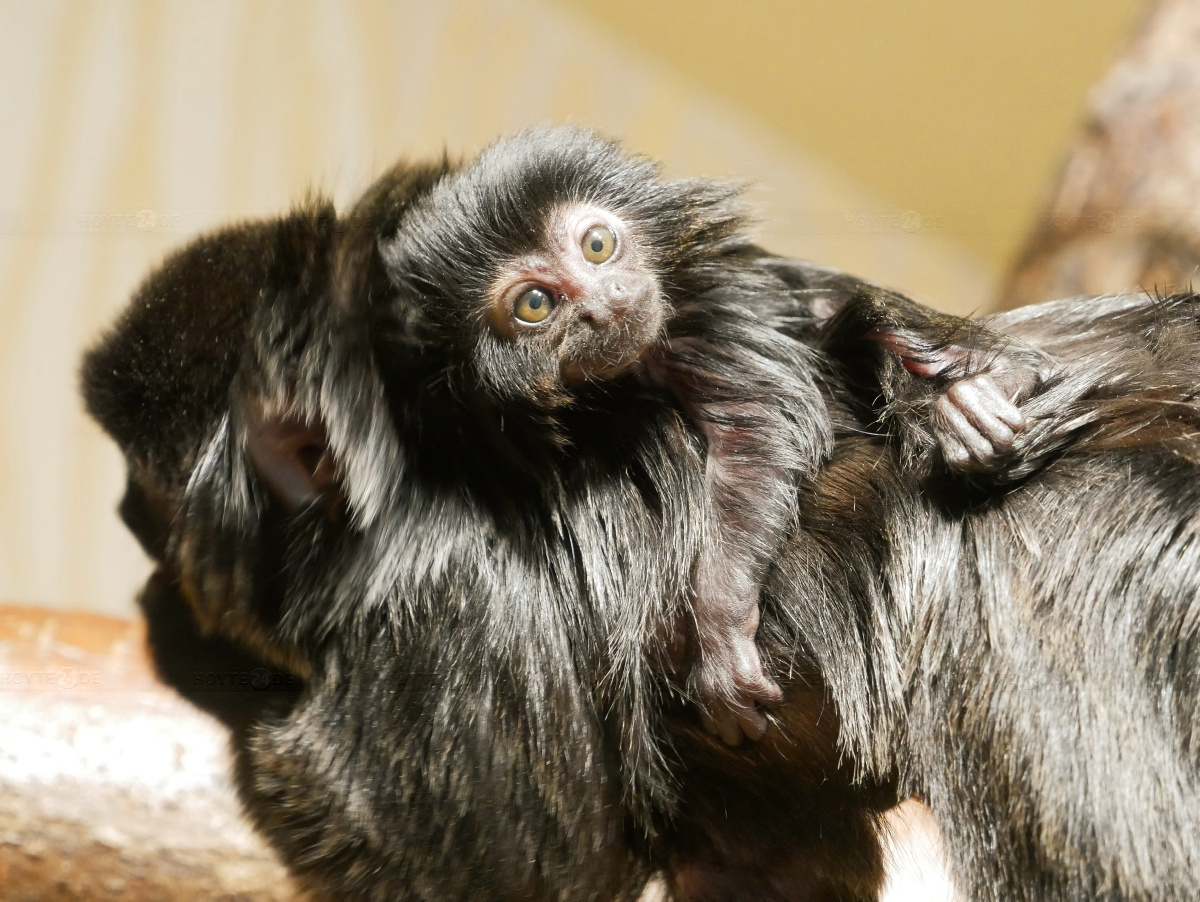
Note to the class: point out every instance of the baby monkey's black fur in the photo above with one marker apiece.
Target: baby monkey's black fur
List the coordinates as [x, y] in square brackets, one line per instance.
[555, 266]
[468, 586]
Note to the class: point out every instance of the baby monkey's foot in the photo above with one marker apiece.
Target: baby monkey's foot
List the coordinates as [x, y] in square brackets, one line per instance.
[731, 685]
[976, 424]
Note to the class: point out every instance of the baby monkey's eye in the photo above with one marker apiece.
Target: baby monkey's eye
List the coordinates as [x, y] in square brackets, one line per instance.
[598, 244]
[534, 305]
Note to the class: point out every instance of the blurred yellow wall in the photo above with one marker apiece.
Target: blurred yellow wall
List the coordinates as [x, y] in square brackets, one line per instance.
[956, 109]
[131, 126]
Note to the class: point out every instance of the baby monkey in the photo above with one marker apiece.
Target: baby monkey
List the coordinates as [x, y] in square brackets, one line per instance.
[555, 265]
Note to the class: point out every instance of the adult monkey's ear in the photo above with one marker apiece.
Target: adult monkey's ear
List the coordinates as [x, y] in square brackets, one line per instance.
[290, 454]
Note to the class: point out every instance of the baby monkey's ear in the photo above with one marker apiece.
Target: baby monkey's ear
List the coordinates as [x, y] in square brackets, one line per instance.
[290, 454]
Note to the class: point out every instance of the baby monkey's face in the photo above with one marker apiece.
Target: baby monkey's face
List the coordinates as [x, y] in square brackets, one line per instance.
[588, 295]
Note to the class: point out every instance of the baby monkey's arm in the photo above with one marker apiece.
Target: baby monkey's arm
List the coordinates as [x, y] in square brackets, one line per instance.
[947, 386]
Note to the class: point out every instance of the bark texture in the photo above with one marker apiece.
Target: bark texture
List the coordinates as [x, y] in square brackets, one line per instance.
[112, 787]
[1125, 213]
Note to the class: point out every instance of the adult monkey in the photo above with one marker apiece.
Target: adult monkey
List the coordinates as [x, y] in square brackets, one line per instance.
[480, 715]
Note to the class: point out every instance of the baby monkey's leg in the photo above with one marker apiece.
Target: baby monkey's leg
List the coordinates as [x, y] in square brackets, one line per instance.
[751, 498]
[727, 674]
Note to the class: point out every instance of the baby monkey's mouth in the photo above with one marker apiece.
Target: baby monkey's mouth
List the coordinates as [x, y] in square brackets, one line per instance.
[607, 353]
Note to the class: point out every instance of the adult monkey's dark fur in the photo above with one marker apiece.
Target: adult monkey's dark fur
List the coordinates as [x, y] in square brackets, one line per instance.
[478, 714]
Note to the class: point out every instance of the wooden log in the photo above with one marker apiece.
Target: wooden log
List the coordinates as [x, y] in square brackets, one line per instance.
[111, 786]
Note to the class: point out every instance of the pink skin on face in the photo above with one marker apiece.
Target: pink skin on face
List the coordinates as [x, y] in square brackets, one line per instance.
[604, 314]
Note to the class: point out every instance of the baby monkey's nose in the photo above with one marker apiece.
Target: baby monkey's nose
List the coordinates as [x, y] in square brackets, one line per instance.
[626, 291]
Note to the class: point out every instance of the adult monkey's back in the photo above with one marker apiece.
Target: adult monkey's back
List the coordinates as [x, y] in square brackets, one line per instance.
[1029, 662]
[1082, 594]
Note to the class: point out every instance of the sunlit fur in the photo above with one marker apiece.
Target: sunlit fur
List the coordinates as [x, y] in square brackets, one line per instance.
[469, 705]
